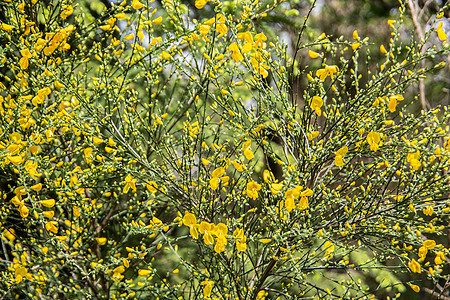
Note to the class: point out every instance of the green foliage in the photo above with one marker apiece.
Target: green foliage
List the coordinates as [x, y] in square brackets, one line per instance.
[181, 150]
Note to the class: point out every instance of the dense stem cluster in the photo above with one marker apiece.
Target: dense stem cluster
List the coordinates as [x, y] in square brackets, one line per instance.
[180, 150]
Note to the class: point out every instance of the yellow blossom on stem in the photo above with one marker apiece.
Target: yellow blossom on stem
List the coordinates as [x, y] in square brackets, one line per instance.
[200, 3]
[203, 29]
[327, 71]
[339, 158]
[207, 229]
[252, 190]
[241, 245]
[52, 226]
[393, 101]
[290, 196]
[143, 272]
[313, 54]
[415, 288]
[413, 159]
[190, 220]
[248, 153]
[152, 187]
[236, 53]
[414, 266]
[130, 182]
[429, 244]
[136, 4]
[373, 138]
[48, 203]
[275, 188]
[101, 240]
[7, 27]
[267, 176]
[24, 211]
[208, 288]
[304, 199]
[440, 32]
[316, 103]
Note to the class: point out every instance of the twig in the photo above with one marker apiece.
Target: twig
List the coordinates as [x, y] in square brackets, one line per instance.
[413, 6]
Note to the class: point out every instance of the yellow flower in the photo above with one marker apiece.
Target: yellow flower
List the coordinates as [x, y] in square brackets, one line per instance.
[289, 204]
[239, 167]
[429, 244]
[143, 272]
[200, 3]
[327, 71]
[203, 29]
[441, 33]
[24, 211]
[413, 159]
[152, 187]
[440, 257]
[222, 29]
[221, 230]
[136, 4]
[316, 103]
[88, 156]
[238, 233]
[158, 20]
[423, 252]
[393, 101]
[36, 187]
[236, 55]
[9, 234]
[252, 189]
[7, 27]
[119, 270]
[208, 287]
[414, 266]
[165, 55]
[52, 226]
[219, 172]
[383, 50]
[304, 199]
[248, 153]
[24, 63]
[275, 188]
[130, 182]
[313, 54]
[101, 240]
[220, 244]
[241, 246]
[68, 10]
[373, 138]
[267, 176]
[97, 140]
[206, 229]
[339, 158]
[190, 221]
[214, 183]
[356, 46]
[415, 288]
[328, 247]
[48, 203]
[49, 214]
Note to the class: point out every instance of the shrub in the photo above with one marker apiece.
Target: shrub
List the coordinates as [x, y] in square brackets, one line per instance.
[181, 152]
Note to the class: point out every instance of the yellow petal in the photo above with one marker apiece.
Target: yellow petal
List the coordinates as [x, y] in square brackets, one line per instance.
[313, 54]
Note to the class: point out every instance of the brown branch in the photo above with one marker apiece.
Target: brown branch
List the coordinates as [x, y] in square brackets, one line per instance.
[433, 294]
[265, 275]
[414, 7]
